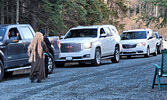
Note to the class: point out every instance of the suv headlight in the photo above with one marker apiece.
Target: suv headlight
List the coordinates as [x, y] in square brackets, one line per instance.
[87, 45]
[141, 44]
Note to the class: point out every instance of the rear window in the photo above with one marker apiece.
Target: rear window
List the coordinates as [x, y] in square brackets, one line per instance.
[26, 32]
[133, 35]
[82, 33]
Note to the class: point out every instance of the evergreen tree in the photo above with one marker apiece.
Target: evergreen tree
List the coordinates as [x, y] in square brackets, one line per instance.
[57, 16]
[162, 4]
[60, 15]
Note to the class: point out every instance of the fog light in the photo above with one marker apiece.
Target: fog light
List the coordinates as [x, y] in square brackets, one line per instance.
[139, 51]
[87, 56]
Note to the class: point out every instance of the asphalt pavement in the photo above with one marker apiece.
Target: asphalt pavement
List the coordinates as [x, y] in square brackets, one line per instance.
[130, 79]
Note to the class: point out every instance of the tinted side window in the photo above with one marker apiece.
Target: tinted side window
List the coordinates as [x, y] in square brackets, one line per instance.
[114, 30]
[109, 31]
[27, 33]
[102, 31]
[153, 34]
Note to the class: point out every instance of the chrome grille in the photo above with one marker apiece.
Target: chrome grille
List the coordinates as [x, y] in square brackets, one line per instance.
[127, 46]
[70, 47]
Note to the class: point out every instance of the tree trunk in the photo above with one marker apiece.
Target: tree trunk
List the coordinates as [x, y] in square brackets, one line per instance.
[12, 14]
[2, 12]
[163, 12]
[17, 11]
[7, 13]
[156, 11]
[34, 10]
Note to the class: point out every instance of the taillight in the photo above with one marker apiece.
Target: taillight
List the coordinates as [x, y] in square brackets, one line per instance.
[58, 43]
[53, 42]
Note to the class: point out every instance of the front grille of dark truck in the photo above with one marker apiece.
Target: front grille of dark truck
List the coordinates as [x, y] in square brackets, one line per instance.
[127, 46]
[70, 47]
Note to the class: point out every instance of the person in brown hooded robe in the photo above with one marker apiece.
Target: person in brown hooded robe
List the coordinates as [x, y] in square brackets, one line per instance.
[36, 51]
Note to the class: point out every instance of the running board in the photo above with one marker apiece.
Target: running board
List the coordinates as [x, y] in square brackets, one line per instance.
[107, 57]
[20, 68]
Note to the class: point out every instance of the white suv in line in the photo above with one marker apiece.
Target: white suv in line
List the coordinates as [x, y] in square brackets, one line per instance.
[138, 42]
[90, 44]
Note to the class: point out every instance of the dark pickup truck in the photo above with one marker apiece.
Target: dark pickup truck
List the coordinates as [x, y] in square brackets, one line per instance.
[13, 48]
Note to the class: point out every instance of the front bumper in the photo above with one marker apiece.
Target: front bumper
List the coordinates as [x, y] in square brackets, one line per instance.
[83, 55]
[134, 51]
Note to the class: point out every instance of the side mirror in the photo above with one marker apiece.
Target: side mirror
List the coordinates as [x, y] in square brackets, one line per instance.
[160, 37]
[103, 35]
[150, 37]
[62, 37]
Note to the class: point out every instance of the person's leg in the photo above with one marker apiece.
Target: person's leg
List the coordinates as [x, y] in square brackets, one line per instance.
[38, 81]
[34, 77]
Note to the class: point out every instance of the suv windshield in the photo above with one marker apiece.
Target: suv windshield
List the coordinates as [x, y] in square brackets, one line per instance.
[2, 33]
[133, 35]
[82, 33]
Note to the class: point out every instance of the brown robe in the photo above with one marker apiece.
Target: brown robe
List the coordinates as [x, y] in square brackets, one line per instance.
[36, 51]
[38, 67]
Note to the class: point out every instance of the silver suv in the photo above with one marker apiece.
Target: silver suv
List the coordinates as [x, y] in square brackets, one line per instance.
[90, 44]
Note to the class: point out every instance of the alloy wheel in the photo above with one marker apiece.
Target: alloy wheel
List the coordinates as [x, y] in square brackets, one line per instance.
[98, 57]
[50, 64]
[117, 54]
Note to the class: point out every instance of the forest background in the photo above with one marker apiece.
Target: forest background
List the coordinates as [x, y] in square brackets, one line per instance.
[58, 16]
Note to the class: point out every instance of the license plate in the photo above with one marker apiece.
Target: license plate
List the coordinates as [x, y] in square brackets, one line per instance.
[68, 58]
[129, 50]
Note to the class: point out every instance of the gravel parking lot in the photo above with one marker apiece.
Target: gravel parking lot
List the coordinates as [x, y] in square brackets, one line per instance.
[129, 79]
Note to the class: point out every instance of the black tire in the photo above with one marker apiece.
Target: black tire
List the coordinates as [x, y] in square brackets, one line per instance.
[7, 74]
[82, 63]
[1, 71]
[159, 49]
[59, 64]
[155, 53]
[148, 52]
[116, 57]
[97, 59]
[51, 64]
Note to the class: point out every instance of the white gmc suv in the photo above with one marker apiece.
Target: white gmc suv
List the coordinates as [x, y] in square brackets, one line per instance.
[138, 42]
[90, 44]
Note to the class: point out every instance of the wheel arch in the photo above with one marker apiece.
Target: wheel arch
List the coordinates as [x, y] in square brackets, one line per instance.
[117, 45]
[98, 47]
[95, 61]
[2, 57]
